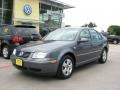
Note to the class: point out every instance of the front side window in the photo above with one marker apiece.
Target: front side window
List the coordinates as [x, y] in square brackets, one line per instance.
[84, 34]
[62, 35]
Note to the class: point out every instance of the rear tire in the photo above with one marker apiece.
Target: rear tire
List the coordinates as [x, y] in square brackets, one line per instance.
[6, 52]
[66, 67]
[103, 57]
[115, 41]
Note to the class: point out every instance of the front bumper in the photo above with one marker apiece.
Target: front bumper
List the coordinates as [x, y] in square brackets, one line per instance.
[36, 66]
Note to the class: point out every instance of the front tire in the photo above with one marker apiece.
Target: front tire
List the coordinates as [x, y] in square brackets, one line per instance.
[66, 67]
[6, 52]
[103, 57]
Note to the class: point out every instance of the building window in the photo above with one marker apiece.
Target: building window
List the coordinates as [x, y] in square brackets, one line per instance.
[0, 11]
[0, 3]
[50, 17]
[8, 4]
[6, 8]
[7, 17]
[0, 16]
[44, 13]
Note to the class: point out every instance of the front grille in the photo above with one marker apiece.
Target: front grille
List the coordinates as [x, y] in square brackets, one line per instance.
[17, 53]
[23, 54]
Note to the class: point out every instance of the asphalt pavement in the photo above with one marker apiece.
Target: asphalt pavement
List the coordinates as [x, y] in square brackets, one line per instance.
[91, 76]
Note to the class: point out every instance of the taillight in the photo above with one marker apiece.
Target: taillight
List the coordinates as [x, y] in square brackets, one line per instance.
[17, 39]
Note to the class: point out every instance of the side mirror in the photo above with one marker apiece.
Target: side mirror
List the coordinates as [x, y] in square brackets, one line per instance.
[82, 40]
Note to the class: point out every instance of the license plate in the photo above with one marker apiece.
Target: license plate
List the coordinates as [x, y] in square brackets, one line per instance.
[19, 62]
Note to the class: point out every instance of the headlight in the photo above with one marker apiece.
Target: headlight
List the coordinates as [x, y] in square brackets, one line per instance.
[14, 52]
[38, 55]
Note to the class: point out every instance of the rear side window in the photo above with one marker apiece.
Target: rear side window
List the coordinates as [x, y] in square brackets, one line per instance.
[25, 31]
[94, 35]
[100, 36]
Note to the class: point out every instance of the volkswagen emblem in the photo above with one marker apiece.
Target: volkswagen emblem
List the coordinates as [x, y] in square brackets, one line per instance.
[27, 9]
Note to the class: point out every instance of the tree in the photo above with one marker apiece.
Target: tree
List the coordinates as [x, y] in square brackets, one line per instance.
[91, 24]
[114, 30]
[67, 25]
[85, 25]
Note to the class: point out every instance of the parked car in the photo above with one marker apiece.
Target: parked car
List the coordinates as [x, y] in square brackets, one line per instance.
[61, 51]
[13, 36]
[114, 39]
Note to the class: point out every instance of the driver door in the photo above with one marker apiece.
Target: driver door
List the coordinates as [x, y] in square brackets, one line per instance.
[84, 47]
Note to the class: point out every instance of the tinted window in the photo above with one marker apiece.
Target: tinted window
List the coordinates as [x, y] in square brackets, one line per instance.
[94, 35]
[85, 34]
[25, 31]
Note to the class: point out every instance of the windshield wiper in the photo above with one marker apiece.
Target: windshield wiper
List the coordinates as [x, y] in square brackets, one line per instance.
[50, 40]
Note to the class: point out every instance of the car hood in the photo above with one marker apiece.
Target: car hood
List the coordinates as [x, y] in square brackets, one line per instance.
[43, 46]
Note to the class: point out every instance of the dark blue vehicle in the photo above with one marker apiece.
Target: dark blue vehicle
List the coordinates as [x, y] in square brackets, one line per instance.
[13, 36]
[61, 51]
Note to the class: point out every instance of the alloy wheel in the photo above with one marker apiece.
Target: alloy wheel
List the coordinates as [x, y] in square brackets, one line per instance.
[104, 56]
[5, 52]
[115, 42]
[67, 67]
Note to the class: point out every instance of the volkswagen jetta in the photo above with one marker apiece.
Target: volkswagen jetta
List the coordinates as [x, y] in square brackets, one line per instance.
[61, 51]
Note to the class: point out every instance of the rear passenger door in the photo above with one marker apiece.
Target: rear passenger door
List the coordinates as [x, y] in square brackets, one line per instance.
[97, 43]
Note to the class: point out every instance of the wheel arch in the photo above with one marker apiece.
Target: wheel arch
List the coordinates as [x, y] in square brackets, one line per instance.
[2, 45]
[72, 55]
[106, 48]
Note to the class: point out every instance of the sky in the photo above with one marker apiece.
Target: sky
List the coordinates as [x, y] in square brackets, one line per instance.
[102, 12]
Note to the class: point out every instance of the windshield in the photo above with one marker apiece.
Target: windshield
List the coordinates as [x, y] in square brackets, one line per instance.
[62, 35]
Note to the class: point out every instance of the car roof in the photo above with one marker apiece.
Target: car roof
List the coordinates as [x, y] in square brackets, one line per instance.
[76, 28]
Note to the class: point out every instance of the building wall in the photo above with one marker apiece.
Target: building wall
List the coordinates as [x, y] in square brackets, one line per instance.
[19, 16]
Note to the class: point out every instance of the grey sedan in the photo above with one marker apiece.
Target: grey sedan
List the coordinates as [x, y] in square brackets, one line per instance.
[61, 51]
